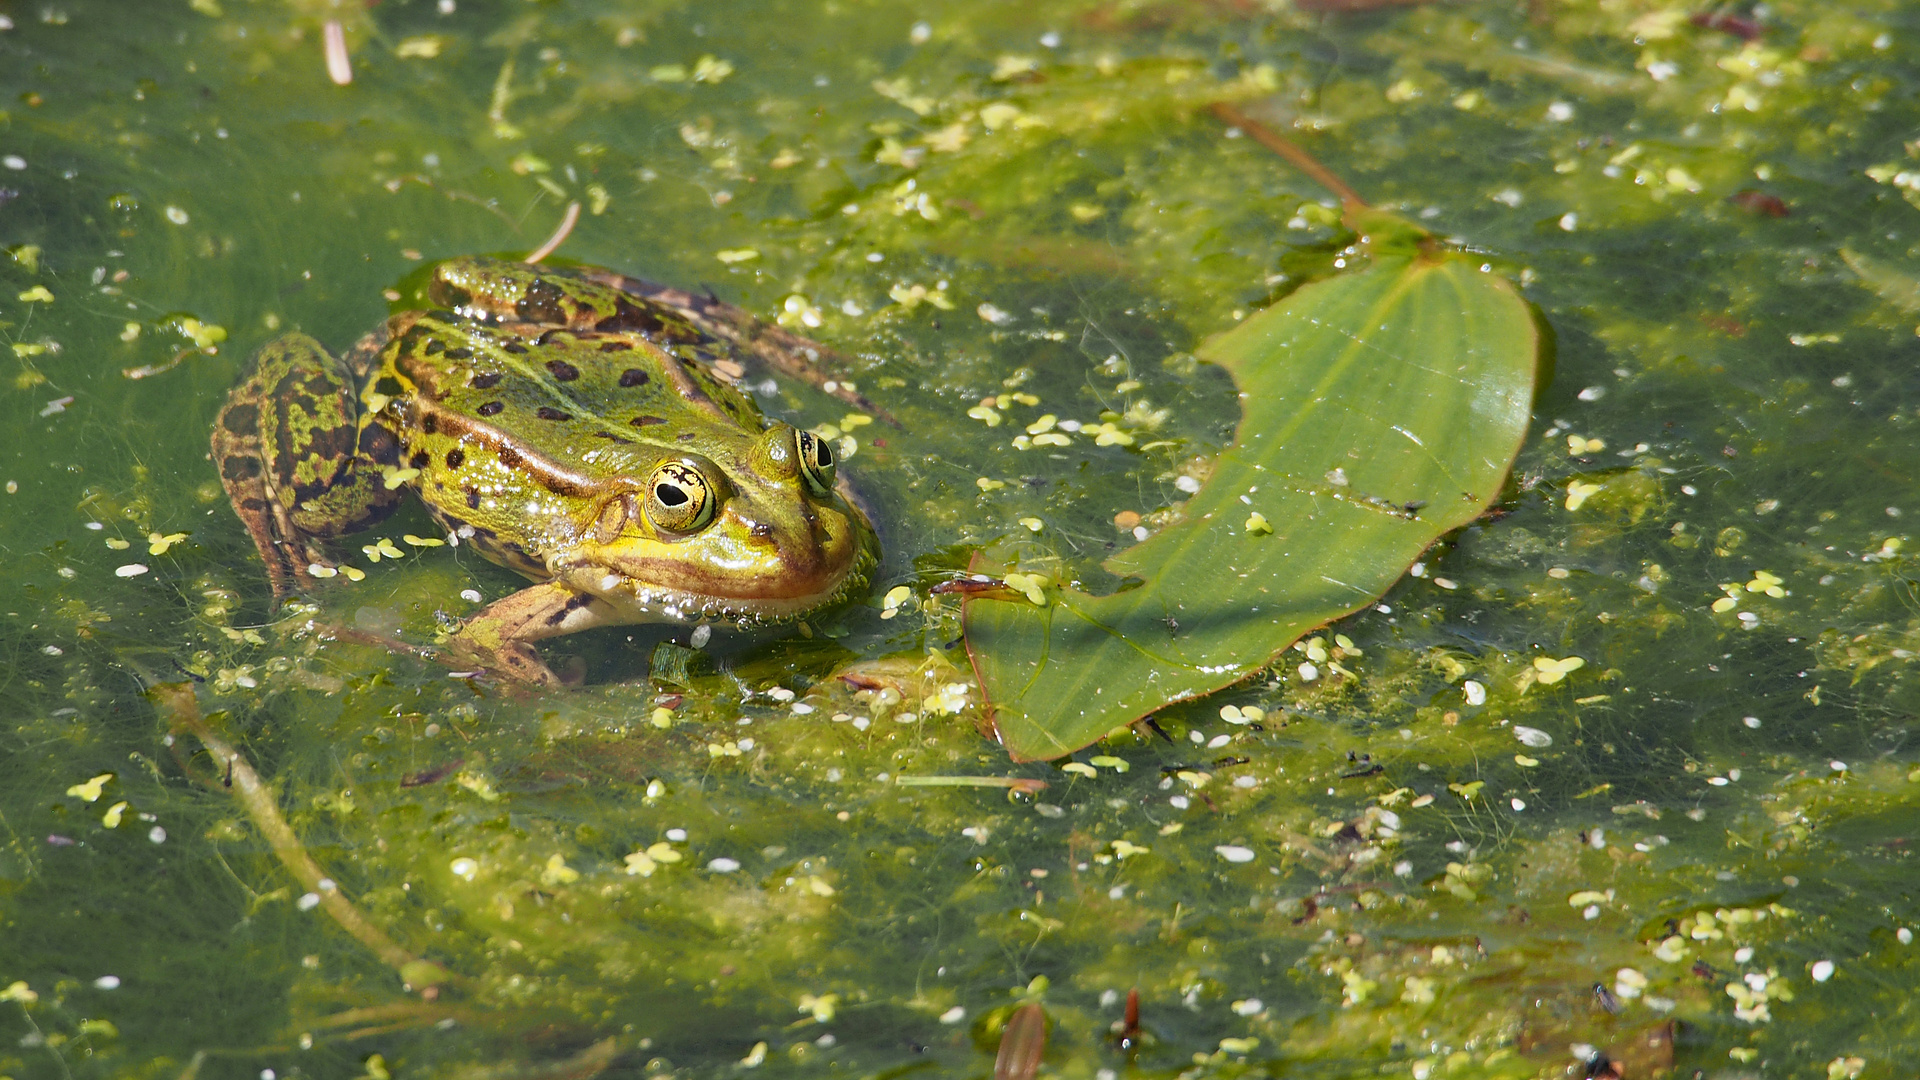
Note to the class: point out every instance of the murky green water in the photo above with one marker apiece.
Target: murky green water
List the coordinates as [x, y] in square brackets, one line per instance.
[1466, 858]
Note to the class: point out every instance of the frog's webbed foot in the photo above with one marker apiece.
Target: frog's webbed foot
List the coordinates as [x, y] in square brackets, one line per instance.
[772, 345]
[499, 638]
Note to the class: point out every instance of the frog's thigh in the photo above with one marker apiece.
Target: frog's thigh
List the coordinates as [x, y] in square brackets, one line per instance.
[236, 452]
[286, 436]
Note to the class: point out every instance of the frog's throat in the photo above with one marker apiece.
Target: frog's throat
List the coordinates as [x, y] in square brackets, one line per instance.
[637, 602]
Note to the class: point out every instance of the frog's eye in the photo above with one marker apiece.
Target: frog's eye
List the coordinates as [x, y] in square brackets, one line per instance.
[679, 499]
[816, 462]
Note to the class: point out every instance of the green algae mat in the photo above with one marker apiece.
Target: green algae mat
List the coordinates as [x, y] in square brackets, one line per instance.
[1608, 769]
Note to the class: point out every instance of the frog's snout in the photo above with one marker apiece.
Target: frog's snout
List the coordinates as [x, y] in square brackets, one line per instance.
[800, 544]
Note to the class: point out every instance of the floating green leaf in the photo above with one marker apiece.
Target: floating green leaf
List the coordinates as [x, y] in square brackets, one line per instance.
[1382, 409]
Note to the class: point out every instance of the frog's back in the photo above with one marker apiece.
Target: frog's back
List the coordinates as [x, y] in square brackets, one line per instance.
[506, 426]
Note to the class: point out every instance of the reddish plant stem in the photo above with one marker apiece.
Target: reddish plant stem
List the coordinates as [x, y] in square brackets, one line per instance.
[1291, 151]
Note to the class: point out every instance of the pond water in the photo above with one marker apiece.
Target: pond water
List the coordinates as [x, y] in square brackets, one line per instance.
[1465, 855]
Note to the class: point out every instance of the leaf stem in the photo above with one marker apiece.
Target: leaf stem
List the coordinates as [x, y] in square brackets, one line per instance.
[1290, 150]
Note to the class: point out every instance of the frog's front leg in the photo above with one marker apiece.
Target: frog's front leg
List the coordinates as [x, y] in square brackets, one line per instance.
[288, 447]
[499, 637]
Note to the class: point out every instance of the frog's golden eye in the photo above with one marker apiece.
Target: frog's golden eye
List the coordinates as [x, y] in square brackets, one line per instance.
[679, 499]
[816, 462]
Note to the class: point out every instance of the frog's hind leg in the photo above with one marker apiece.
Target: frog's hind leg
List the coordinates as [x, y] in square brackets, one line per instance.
[768, 344]
[288, 444]
[499, 637]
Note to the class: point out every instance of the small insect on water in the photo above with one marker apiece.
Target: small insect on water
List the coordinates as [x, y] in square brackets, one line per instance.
[1605, 999]
[1363, 765]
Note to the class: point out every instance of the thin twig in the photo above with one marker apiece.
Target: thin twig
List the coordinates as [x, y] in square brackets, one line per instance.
[502, 94]
[559, 235]
[1290, 150]
[394, 1012]
[1024, 785]
[339, 66]
[146, 371]
[177, 700]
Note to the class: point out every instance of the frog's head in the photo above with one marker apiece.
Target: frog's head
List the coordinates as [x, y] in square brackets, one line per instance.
[755, 526]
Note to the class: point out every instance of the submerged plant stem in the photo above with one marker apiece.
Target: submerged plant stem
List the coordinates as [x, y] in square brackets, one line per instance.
[590, 1062]
[177, 701]
[1292, 151]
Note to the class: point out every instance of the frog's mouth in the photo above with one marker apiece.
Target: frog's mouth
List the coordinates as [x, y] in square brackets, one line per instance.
[726, 580]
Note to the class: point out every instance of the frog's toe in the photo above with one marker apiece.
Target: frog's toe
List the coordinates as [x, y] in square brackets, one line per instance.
[515, 662]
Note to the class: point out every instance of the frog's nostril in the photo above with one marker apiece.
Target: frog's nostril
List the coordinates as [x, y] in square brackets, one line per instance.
[761, 530]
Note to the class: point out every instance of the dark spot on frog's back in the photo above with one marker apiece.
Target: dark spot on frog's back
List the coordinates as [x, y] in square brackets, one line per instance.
[461, 353]
[563, 371]
[633, 377]
[548, 412]
[646, 421]
[615, 345]
[633, 318]
[473, 498]
[434, 346]
[486, 381]
[240, 468]
[491, 408]
[332, 444]
[419, 460]
[456, 457]
[541, 304]
[295, 392]
[243, 419]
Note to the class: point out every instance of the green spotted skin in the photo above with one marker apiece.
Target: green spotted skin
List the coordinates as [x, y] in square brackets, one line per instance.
[567, 424]
[288, 448]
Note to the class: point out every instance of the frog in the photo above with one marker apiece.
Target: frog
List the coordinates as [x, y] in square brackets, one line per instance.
[580, 427]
